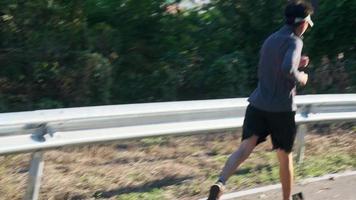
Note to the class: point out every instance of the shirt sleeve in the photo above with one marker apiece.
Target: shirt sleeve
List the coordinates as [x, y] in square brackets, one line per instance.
[292, 58]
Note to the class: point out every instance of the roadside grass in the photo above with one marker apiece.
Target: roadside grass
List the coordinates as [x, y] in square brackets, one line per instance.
[153, 194]
[167, 168]
[325, 164]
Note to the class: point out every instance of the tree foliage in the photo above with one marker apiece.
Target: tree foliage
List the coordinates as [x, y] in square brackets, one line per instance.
[65, 53]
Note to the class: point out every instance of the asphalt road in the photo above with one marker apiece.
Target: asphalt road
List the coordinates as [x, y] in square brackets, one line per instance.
[339, 188]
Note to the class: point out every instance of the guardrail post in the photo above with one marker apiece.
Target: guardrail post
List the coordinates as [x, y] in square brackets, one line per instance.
[37, 163]
[35, 175]
[302, 130]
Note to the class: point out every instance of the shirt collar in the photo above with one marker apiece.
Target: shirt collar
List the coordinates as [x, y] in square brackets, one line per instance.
[289, 30]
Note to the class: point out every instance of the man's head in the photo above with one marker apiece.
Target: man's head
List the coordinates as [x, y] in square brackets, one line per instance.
[297, 14]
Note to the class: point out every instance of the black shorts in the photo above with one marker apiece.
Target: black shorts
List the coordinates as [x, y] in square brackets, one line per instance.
[280, 125]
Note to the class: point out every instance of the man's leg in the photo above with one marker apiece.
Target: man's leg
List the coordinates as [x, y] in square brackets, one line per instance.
[236, 158]
[285, 172]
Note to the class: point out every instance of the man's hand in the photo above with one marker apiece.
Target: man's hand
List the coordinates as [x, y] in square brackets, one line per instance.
[304, 61]
[304, 79]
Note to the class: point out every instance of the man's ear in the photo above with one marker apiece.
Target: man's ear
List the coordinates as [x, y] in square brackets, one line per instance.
[302, 25]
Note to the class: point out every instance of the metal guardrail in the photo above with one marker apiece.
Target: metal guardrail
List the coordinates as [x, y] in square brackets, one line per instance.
[41, 130]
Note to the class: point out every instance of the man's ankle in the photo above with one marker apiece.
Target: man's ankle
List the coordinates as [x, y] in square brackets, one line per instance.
[221, 180]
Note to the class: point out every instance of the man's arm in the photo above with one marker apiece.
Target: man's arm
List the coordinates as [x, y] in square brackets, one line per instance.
[291, 62]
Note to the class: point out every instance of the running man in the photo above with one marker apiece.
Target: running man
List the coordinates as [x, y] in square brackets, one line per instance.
[271, 108]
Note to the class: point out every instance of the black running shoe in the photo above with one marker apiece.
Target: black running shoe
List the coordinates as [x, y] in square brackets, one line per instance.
[298, 196]
[216, 191]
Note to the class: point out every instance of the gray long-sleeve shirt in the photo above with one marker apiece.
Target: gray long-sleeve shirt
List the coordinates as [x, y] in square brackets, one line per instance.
[278, 72]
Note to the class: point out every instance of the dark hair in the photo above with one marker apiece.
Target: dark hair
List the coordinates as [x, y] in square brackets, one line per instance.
[295, 9]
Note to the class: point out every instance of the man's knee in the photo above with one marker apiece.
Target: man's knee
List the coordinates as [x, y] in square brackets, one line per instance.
[247, 147]
[284, 157]
[249, 143]
[284, 153]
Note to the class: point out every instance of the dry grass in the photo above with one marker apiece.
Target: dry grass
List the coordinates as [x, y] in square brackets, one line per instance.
[168, 167]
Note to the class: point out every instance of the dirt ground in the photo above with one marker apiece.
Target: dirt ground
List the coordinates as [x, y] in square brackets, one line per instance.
[159, 168]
